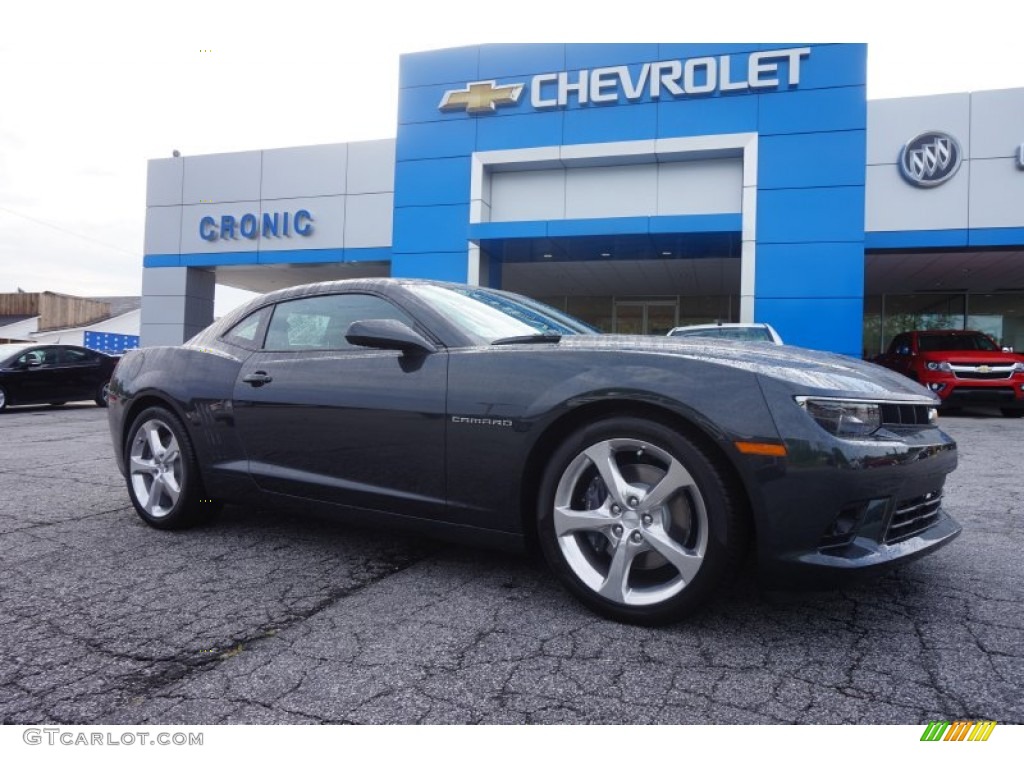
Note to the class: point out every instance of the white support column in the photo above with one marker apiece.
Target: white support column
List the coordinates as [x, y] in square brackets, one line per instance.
[177, 303]
[748, 237]
[476, 271]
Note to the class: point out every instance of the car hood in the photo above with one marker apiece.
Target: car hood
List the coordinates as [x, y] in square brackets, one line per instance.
[972, 355]
[813, 371]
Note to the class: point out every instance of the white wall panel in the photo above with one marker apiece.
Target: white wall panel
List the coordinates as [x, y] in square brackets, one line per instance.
[190, 310]
[222, 178]
[592, 193]
[304, 171]
[893, 204]
[997, 193]
[528, 195]
[700, 186]
[328, 223]
[368, 220]
[371, 166]
[894, 122]
[163, 181]
[997, 122]
[163, 230]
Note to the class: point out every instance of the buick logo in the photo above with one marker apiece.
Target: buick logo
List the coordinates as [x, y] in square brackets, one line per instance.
[930, 159]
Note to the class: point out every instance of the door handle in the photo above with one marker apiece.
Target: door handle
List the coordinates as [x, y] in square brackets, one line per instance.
[257, 378]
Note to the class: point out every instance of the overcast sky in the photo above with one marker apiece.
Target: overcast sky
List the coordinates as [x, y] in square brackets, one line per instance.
[91, 90]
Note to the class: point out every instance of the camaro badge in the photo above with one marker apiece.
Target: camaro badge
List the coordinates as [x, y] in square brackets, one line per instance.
[481, 98]
[481, 421]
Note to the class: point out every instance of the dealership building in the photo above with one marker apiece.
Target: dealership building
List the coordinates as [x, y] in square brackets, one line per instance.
[639, 187]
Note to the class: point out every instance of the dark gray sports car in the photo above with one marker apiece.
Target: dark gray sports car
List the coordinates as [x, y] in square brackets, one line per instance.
[641, 467]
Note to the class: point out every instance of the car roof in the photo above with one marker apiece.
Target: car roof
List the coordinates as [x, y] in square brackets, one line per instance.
[947, 333]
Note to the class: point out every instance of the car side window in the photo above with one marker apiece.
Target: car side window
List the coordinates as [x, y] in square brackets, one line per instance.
[39, 357]
[321, 322]
[76, 356]
[247, 332]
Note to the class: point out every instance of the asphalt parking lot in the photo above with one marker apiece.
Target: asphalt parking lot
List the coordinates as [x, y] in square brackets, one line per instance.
[264, 617]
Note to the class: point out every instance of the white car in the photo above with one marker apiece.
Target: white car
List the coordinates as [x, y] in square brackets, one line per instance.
[734, 331]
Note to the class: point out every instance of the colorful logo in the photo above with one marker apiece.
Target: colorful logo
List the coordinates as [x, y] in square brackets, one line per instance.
[481, 98]
[960, 730]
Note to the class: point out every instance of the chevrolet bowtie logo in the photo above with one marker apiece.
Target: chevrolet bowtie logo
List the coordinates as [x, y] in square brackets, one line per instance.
[481, 98]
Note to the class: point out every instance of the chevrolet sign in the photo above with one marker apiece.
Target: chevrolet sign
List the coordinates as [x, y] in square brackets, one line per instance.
[655, 80]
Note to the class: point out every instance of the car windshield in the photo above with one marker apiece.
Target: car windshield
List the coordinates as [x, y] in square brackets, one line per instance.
[9, 353]
[739, 334]
[492, 316]
[956, 342]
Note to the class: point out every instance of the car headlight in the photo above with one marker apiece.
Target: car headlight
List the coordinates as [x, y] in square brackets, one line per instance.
[943, 366]
[843, 418]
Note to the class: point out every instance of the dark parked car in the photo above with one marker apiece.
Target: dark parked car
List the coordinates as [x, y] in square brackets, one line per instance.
[642, 467]
[961, 367]
[31, 374]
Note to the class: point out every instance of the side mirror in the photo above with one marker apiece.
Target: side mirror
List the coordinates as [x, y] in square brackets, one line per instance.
[1007, 349]
[387, 334]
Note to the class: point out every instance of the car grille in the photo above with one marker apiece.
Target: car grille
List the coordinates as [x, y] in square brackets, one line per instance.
[913, 516]
[985, 371]
[905, 415]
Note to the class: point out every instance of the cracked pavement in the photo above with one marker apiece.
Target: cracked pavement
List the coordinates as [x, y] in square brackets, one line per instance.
[270, 617]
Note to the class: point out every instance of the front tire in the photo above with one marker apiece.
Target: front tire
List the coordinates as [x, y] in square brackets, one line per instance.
[638, 521]
[3, 399]
[163, 478]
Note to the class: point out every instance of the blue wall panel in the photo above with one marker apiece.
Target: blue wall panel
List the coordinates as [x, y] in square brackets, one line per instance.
[418, 141]
[434, 265]
[811, 160]
[919, 238]
[828, 270]
[423, 229]
[822, 214]
[610, 123]
[707, 115]
[437, 181]
[826, 109]
[829, 324]
[504, 131]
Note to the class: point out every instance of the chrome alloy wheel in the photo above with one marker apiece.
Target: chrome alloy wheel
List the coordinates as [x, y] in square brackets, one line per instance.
[630, 521]
[155, 467]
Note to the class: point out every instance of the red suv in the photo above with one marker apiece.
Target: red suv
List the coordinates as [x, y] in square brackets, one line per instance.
[961, 367]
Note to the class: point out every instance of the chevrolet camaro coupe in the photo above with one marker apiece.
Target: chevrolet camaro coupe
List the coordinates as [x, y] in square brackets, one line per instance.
[643, 468]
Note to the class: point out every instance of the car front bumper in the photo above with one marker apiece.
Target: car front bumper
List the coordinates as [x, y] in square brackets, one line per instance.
[833, 507]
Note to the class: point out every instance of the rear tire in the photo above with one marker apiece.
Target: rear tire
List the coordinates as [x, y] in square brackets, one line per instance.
[101, 394]
[163, 477]
[638, 521]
